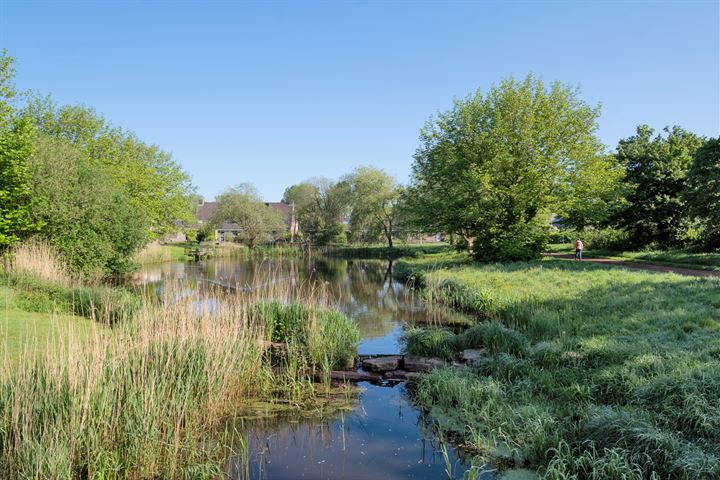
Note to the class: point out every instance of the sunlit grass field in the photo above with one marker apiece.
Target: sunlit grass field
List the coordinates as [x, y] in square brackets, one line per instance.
[592, 371]
[672, 258]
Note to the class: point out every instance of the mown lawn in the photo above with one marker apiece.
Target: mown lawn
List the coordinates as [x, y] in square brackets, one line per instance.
[22, 332]
[592, 371]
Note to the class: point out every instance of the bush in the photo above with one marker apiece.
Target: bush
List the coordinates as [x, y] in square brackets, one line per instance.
[604, 239]
[521, 241]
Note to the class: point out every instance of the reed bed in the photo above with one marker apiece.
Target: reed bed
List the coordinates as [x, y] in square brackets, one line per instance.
[149, 397]
[40, 260]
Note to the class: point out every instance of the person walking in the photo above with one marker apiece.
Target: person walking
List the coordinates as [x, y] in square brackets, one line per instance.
[578, 249]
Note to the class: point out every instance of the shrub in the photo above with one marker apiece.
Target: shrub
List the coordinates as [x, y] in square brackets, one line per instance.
[604, 239]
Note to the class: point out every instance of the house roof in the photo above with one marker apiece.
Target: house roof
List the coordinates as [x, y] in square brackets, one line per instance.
[206, 209]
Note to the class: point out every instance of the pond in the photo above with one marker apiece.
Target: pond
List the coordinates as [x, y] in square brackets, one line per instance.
[384, 436]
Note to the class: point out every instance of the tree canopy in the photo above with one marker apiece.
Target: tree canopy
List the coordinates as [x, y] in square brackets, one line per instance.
[258, 223]
[16, 135]
[157, 186]
[703, 191]
[657, 168]
[374, 197]
[494, 167]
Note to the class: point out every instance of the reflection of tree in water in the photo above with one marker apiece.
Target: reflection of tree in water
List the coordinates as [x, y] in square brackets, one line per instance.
[362, 289]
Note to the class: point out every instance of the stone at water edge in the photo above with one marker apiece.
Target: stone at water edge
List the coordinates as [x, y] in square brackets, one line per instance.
[422, 364]
[470, 356]
[403, 375]
[382, 364]
[350, 376]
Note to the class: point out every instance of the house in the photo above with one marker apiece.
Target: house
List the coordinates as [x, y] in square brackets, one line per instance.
[226, 231]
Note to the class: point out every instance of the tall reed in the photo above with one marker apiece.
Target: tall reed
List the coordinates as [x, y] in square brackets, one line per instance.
[40, 260]
[147, 398]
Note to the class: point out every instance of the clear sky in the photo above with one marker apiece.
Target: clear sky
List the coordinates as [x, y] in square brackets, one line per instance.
[273, 93]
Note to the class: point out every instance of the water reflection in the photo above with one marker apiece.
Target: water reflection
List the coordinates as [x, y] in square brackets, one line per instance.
[363, 290]
[383, 437]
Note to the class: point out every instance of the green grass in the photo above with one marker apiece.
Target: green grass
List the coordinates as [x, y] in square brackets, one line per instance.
[593, 371]
[671, 258]
[23, 332]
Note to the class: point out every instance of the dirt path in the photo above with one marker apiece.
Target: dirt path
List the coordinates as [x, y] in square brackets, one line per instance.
[692, 272]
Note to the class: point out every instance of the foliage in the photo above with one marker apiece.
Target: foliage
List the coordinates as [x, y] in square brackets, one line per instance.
[577, 378]
[496, 166]
[610, 239]
[301, 195]
[374, 200]
[159, 190]
[656, 173]
[85, 216]
[329, 338]
[258, 222]
[703, 191]
[321, 210]
[15, 147]
[594, 192]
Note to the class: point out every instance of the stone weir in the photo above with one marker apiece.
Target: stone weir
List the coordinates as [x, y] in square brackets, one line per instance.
[380, 368]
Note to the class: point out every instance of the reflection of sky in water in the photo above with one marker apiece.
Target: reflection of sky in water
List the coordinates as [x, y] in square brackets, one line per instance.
[381, 439]
[362, 289]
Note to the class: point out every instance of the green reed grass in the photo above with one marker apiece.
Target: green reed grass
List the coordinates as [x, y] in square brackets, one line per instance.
[147, 398]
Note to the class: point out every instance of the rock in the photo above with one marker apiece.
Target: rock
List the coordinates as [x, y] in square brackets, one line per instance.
[410, 377]
[472, 355]
[396, 375]
[351, 376]
[422, 364]
[382, 364]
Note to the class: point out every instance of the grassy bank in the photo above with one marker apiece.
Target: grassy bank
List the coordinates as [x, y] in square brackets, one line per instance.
[382, 251]
[592, 371]
[671, 258]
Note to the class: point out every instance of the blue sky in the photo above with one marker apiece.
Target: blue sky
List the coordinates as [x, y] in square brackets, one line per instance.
[273, 93]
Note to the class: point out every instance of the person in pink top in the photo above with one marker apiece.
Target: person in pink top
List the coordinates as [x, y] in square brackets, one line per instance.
[578, 249]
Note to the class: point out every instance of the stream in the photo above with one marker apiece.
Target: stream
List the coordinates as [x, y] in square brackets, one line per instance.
[384, 436]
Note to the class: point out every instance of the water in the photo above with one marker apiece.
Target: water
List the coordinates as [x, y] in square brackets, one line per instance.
[384, 436]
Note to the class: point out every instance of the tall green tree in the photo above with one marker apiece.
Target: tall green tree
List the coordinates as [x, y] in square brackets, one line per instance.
[321, 206]
[83, 213]
[157, 186]
[594, 192]
[301, 195]
[16, 134]
[656, 167]
[495, 166]
[703, 191]
[258, 222]
[374, 199]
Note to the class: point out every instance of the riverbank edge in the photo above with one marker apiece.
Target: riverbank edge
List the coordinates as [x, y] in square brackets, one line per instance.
[567, 458]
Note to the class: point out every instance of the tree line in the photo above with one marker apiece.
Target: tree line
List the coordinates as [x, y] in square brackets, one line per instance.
[489, 174]
[494, 169]
[92, 190]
